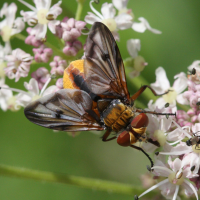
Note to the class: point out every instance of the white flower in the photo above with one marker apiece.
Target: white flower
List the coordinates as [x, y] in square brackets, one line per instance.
[121, 6]
[18, 64]
[139, 63]
[3, 52]
[162, 85]
[42, 16]
[143, 25]
[10, 26]
[4, 95]
[133, 46]
[176, 177]
[24, 98]
[191, 151]
[114, 23]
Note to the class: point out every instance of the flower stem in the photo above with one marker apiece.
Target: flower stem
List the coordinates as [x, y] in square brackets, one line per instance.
[79, 10]
[82, 182]
[57, 51]
[19, 36]
[183, 107]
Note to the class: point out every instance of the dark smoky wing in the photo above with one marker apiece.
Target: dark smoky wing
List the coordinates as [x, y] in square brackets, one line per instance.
[103, 66]
[65, 110]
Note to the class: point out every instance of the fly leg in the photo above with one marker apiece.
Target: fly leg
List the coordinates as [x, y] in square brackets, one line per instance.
[106, 134]
[142, 89]
[140, 149]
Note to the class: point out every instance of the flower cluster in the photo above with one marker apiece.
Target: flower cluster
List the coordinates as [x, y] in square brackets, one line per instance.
[178, 136]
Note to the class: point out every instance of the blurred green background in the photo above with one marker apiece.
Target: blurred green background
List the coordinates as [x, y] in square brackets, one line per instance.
[24, 144]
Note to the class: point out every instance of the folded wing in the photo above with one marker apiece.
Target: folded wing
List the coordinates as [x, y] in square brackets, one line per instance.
[65, 110]
[103, 65]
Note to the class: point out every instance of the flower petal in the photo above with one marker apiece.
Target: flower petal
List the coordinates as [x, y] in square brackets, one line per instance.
[120, 4]
[143, 25]
[133, 46]
[162, 83]
[123, 21]
[92, 18]
[108, 10]
[180, 83]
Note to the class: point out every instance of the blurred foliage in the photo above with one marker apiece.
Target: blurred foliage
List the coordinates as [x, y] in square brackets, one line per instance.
[24, 144]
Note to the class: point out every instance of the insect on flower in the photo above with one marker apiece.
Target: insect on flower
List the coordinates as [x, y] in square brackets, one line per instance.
[95, 96]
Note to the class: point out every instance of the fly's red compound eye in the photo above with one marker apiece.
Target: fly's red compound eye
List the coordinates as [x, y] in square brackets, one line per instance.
[124, 139]
[140, 120]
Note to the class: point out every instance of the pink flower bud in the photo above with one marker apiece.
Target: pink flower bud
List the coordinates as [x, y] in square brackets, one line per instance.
[42, 54]
[72, 48]
[41, 75]
[31, 39]
[58, 66]
[59, 83]
[72, 29]
[80, 25]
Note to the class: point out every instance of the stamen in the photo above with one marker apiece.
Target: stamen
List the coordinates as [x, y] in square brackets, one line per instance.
[188, 135]
[163, 168]
[172, 143]
[179, 174]
[45, 85]
[16, 90]
[176, 192]
[28, 5]
[192, 187]
[175, 152]
[154, 187]
[95, 11]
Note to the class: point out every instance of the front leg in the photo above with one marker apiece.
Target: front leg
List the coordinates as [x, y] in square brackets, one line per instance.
[106, 134]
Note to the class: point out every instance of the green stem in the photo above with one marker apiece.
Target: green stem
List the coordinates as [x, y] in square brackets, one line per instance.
[137, 82]
[183, 107]
[88, 183]
[57, 51]
[82, 182]
[19, 36]
[79, 10]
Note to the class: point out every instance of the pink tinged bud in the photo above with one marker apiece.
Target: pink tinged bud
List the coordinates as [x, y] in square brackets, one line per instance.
[41, 75]
[59, 83]
[80, 25]
[65, 19]
[188, 124]
[191, 86]
[59, 31]
[187, 94]
[31, 39]
[197, 88]
[72, 29]
[72, 48]
[194, 118]
[198, 112]
[181, 122]
[42, 54]
[193, 100]
[182, 115]
[70, 51]
[58, 66]
[191, 112]
[71, 22]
